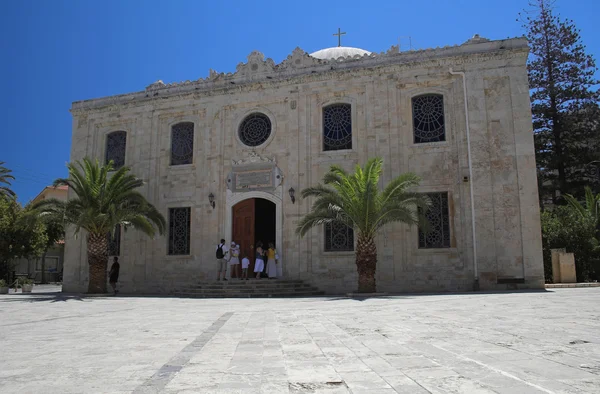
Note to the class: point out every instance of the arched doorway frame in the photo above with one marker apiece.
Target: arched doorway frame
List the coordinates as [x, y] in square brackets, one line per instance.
[234, 198]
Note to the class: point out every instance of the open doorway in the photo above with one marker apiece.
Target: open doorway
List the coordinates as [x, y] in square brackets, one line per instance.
[253, 220]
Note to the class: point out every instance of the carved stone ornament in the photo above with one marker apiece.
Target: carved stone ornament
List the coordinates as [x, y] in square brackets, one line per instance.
[253, 159]
[254, 173]
[304, 68]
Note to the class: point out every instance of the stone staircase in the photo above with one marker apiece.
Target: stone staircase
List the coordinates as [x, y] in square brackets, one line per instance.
[235, 288]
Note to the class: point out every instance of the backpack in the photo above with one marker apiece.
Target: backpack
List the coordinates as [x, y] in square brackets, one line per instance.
[220, 253]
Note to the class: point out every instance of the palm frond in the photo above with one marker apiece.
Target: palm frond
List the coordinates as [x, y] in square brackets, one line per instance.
[355, 200]
[104, 199]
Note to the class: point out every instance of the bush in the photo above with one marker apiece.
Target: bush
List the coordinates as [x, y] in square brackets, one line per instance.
[25, 281]
[563, 227]
[3, 283]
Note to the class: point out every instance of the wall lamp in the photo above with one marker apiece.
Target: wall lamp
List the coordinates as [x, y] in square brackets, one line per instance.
[211, 200]
[292, 195]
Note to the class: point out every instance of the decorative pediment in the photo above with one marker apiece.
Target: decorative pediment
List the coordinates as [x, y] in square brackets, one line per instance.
[253, 158]
[476, 39]
[254, 173]
[256, 66]
[298, 59]
[156, 85]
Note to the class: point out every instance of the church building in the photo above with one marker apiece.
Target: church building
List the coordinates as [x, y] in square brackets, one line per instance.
[228, 155]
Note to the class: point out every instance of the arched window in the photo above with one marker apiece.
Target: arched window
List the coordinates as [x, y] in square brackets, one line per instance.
[337, 127]
[438, 217]
[338, 237]
[116, 142]
[255, 129]
[114, 242]
[428, 118]
[182, 143]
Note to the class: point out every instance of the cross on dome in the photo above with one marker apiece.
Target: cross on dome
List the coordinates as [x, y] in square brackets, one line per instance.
[339, 35]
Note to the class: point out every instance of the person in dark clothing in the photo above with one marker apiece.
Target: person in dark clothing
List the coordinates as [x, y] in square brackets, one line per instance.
[113, 275]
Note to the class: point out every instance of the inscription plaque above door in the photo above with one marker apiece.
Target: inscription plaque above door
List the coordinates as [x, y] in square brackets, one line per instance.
[254, 173]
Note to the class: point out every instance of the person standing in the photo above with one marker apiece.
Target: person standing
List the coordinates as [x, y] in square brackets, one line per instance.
[113, 274]
[259, 265]
[245, 264]
[234, 260]
[221, 254]
[271, 262]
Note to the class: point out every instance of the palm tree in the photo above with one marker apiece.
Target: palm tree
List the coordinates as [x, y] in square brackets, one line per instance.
[5, 191]
[355, 200]
[103, 201]
[591, 209]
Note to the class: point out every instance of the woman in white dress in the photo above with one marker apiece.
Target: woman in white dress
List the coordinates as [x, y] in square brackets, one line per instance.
[234, 261]
[271, 261]
[259, 265]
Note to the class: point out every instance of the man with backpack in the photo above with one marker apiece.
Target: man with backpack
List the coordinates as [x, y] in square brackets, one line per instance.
[221, 254]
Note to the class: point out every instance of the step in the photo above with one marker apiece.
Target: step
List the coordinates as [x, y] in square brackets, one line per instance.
[247, 291]
[251, 295]
[253, 288]
[250, 286]
[237, 282]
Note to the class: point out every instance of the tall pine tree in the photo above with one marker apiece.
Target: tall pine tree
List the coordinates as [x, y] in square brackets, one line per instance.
[564, 103]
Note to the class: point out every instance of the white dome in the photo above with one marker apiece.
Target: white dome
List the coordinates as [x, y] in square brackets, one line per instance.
[337, 52]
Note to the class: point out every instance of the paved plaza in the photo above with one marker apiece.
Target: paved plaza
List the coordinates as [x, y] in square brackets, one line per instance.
[527, 342]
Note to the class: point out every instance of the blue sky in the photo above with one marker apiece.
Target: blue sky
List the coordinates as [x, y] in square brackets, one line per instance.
[55, 52]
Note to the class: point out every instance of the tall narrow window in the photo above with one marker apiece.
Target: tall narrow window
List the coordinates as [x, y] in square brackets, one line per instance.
[116, 142]
[114, 242]
[438, 234]
[428, 118]
[337, 127]
[179, 231]
[182, 143]
[338, 237]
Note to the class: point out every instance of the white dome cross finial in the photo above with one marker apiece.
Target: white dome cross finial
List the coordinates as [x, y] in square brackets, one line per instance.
[339, 35]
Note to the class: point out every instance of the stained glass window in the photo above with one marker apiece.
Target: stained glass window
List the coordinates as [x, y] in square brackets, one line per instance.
[338, 237]
[428, 118]
[337, 127]
[116, 143]
[438, 216]
[255, 129]
[114, 242]
[182, 143]
[179, 231]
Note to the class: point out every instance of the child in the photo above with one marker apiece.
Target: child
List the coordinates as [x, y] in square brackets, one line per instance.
[245, 264]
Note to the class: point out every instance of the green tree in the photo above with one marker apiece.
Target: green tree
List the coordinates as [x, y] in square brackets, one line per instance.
[590, 209]
[5, 175]
[55, 231]
[355, 200]
[104, 199]
[564, 101]
[20, 236]
[565, 227]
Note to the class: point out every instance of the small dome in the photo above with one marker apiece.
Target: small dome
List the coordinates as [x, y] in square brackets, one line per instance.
[337, 52]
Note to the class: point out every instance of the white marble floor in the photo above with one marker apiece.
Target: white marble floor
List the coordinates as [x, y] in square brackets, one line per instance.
[537, 342]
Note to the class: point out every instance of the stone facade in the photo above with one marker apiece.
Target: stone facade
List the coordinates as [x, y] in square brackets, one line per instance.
[379, 88]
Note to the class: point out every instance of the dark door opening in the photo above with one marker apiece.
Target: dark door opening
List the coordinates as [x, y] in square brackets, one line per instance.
[264, 222]
[253, 221]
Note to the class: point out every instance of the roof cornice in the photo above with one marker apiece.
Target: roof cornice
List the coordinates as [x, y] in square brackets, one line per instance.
[299, 66]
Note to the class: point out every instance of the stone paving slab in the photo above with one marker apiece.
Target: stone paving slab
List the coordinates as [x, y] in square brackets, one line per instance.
[527, 342]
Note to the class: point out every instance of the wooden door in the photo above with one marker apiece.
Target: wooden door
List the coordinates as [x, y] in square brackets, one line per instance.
[243, 230]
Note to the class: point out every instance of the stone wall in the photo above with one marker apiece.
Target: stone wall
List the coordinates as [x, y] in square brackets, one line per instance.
[503, 167]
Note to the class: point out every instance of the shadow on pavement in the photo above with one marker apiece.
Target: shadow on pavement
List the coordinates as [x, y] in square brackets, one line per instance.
[41, 297]
[64, 297]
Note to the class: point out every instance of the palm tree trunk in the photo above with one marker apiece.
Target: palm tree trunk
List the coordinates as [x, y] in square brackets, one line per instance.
[98, 261]
[44, 267]
[366, 264]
